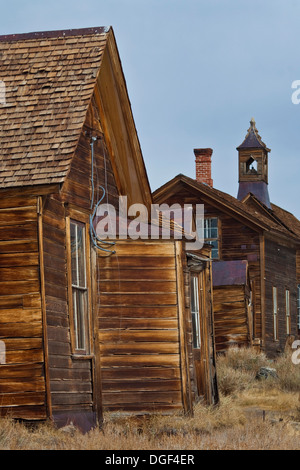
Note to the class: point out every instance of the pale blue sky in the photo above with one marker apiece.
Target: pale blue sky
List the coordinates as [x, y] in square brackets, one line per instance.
[196, 72]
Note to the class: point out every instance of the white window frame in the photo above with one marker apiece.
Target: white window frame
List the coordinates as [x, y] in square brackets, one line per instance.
[208, 238]
[79, 298]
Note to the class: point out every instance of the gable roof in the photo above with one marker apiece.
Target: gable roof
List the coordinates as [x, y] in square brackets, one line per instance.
[49, 79]
[289, 220]
[251, 215]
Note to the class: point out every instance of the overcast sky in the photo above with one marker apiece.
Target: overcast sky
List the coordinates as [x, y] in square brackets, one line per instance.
[196, 72]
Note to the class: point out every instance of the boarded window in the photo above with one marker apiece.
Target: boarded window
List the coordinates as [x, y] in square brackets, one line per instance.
[79, 285]
[195, 307]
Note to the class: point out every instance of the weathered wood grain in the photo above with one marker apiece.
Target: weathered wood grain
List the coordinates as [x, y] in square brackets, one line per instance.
[22, 379]
[139, 327]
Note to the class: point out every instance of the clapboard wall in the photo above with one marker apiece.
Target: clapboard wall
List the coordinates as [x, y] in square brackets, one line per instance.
[72, 390]
[139, 328]
[280, 269]
[236, 242]
[22, 379]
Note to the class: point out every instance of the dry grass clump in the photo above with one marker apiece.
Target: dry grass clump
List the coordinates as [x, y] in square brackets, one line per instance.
[237, 371]
[255, 434]
[288, 373]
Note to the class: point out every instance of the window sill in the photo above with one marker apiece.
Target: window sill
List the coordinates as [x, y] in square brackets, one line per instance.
[82, 356]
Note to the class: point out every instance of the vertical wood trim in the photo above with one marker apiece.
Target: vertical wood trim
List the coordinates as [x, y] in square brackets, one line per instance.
[263, 288]
[43, 302]
[97, 381]
[185, 375]
[220, 238]
[69, 284]
[89, 339]
[214, 397]
[206, 338]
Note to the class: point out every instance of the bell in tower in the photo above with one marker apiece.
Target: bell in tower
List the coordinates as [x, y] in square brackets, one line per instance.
[253, 166]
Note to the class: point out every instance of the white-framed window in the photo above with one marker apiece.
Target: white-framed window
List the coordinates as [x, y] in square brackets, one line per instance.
[79, 286]
[211, 235]
[288, 312]
[195, 309]
[275, 313]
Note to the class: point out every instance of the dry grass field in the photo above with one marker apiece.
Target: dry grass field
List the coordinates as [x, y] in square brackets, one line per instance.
[252, 415]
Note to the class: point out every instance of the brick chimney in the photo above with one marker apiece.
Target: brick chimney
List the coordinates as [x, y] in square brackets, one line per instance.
[203, 166]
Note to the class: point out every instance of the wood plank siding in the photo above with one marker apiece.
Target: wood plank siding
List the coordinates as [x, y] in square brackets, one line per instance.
[280, 264]
[72, 386]
[86, 333]
[22, 378]
[298, 266]
[231, 318]
[139, 328]
[236, 242]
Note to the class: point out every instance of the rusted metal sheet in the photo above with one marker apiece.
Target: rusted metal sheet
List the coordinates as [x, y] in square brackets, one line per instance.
[229, 273]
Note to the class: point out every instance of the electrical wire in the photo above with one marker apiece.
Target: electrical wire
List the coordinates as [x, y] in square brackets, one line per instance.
[93, 235]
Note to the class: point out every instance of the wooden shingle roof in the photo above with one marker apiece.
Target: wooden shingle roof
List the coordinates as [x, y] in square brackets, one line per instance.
[49, 79]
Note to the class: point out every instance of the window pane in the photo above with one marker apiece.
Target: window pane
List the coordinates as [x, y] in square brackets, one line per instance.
[80, 316]
[215, 248]
[211, 235]
[214, 223]
[194, 295]
[287, 302]
[77, 232]
[195, 311]
[196, 336]
[73, 234]
[79, 288]
[81, 255]
[214, 233]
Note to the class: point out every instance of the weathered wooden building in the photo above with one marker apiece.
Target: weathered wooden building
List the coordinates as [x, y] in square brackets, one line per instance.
[249, 228]
[88, 326]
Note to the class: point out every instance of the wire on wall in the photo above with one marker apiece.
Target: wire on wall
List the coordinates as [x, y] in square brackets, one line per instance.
[97, 242]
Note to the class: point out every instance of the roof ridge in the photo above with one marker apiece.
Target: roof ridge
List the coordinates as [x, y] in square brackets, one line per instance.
[252, 133]
[235, 204]
[55, 33]
[48, 95]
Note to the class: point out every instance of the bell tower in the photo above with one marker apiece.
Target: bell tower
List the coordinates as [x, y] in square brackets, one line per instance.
[253, 166]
